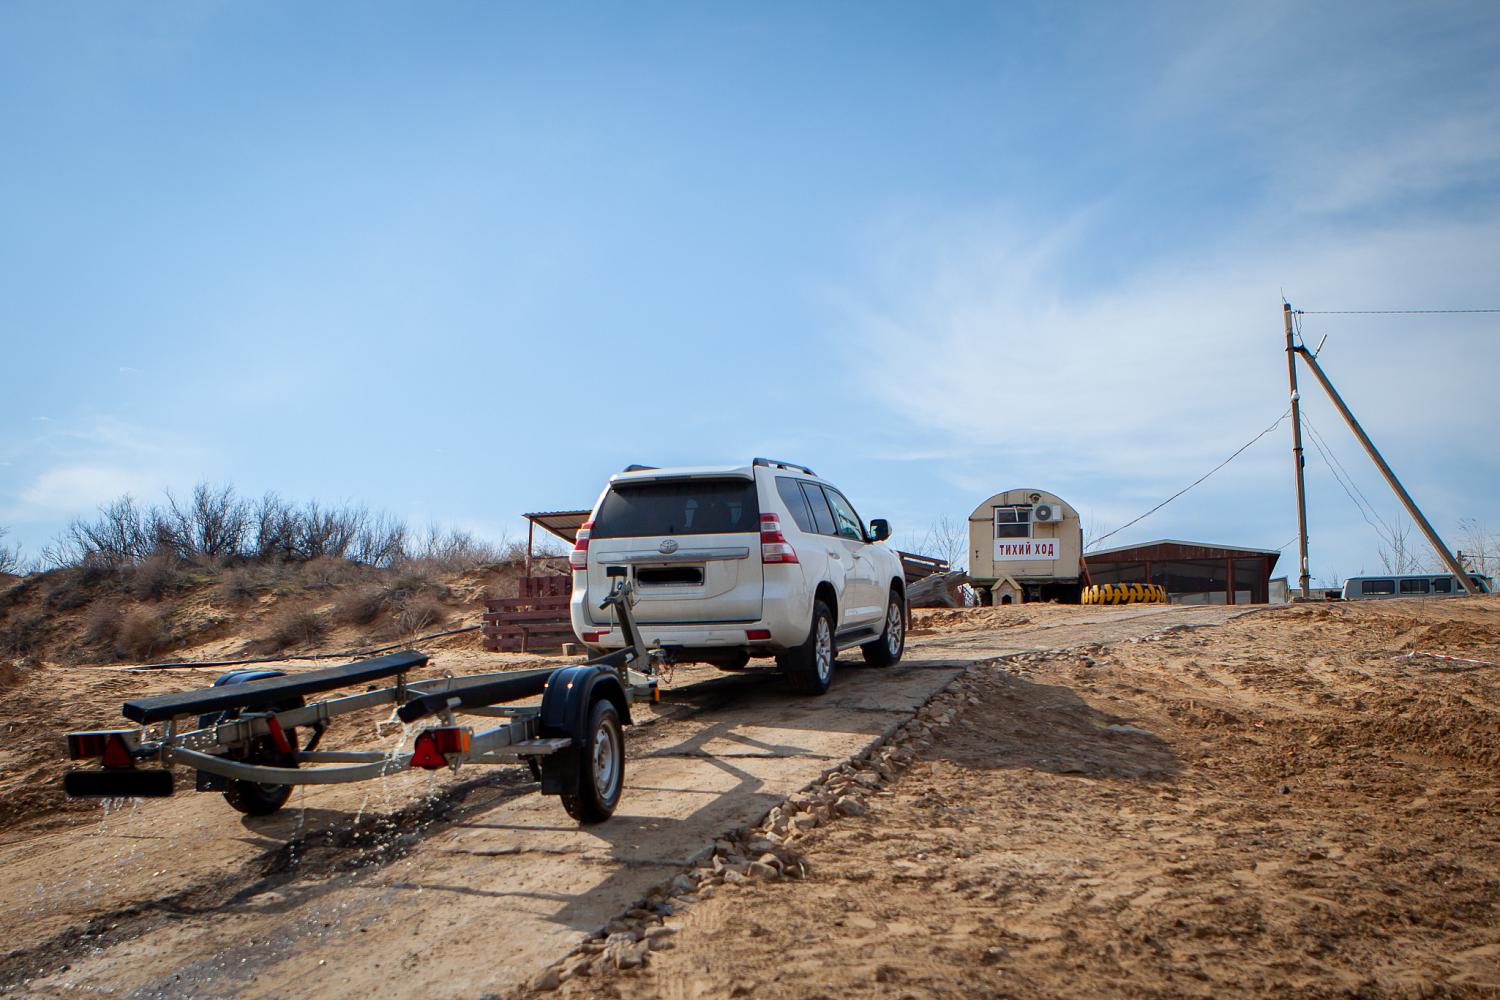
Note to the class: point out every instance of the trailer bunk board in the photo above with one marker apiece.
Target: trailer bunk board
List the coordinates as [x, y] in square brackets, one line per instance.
[270, 691]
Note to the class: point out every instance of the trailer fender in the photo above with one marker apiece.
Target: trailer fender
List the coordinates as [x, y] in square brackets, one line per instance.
[566, 703]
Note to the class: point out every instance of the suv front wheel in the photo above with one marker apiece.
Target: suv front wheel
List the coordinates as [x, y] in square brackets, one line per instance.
[886, 651]
[809, 667]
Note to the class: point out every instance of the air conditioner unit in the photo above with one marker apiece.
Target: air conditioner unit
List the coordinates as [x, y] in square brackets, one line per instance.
[1046, 512]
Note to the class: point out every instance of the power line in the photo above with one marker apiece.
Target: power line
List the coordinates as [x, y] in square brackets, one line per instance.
[1195, 482]
[1387, 312]
[1385, 531]
[1328, 453]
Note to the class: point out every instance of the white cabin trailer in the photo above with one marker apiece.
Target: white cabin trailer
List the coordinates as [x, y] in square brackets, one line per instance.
[1027, 540]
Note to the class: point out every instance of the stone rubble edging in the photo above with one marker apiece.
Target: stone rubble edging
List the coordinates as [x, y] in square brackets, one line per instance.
[768, 850]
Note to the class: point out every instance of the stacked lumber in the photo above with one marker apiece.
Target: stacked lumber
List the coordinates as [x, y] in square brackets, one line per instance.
[536, 619]
[938, 590]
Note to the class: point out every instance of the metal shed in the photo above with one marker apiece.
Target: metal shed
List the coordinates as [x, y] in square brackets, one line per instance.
[1191, 572]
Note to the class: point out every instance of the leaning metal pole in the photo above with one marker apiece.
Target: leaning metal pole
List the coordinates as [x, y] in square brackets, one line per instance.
[1390, 477]
[1297, 460]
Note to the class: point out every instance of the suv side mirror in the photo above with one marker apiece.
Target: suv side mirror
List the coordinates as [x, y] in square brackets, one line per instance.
[880, 529]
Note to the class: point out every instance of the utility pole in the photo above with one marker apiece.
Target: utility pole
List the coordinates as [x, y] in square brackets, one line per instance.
[1385, 470]
[1297, 460]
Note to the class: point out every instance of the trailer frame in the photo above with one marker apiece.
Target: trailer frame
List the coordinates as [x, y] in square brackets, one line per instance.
[248, 750]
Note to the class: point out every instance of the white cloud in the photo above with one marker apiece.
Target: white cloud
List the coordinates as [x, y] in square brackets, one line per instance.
[1121, 397]
[72, 489]
[67, 470]
[1415, 161]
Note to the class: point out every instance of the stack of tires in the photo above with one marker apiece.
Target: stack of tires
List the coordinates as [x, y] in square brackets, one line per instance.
[1125, 593]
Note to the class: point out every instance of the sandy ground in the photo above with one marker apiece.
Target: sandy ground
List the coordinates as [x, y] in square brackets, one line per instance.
[1284, 805]
[1163, 801]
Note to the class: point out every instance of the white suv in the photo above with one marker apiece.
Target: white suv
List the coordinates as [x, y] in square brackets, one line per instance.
[734, 562]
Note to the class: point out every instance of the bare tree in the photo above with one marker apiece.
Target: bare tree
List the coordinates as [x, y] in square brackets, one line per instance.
[1396, 554]
[1092, 528]
[947, 539]
[209, 527]
[10, 557]
[121, 534]
[1480, 546]
[215, 526]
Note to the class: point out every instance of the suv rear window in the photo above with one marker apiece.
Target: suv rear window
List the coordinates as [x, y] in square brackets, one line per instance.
[690, 507]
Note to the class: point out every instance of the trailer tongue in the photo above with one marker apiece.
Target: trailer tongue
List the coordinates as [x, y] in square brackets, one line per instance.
[241, 735]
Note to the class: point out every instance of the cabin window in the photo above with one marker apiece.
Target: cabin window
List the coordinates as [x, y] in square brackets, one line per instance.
[1013, 522]
[1413, 586]
[1377, 587]
[1443, 585]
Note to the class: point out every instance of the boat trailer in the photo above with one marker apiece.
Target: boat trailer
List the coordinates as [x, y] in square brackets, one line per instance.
[241, 735]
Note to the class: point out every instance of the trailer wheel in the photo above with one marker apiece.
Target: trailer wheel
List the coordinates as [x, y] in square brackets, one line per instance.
[886, 651]
[601, 767]
[254, 798]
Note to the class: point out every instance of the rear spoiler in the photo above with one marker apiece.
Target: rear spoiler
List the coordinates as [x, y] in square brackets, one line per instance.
[664, 475]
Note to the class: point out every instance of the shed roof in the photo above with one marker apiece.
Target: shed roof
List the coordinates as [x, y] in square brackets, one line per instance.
[562, 523]
[1200, 550]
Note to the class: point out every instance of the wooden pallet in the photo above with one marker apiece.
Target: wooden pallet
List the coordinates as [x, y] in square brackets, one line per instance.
[915, 567]
[535, 620]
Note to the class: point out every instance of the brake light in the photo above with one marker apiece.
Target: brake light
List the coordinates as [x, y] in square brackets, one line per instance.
[579, 558]
[433, 745]
[757, 634]
[594, 636]
[774, 548]
[108, 745]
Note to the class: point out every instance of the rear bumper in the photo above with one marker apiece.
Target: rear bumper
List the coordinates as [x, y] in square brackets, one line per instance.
[786, 625]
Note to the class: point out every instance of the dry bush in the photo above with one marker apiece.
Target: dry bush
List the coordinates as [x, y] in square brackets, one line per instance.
[66, 591]
[419, 612]
[238, 585]
[359, 606]
[404, 586]
[328, 571]
[101, 623]
[155, 577]
[215, 527]
[292, 626]
[22, 634]
[455, 551]
[142, 633]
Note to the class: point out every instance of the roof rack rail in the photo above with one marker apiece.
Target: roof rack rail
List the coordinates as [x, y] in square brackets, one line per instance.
[769, 462]
[638, 468]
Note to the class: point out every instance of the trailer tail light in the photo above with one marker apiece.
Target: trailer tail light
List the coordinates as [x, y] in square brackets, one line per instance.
[757, 634]
[433, 746]
[106, 745]
[774, 548]
[579, 557]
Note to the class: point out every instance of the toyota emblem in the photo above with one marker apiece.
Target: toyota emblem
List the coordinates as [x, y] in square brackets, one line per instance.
[667, 547]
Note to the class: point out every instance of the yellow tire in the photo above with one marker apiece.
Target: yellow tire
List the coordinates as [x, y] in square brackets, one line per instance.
[1125, 593]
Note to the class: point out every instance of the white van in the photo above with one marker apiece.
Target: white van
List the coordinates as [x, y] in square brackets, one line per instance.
[1365, 588]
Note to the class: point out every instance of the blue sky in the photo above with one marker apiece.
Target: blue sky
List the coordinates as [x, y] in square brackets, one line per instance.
[462, 260]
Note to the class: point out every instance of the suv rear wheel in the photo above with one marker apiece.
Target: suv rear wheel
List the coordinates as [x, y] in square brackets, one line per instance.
[809, 667]
[886, 651]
